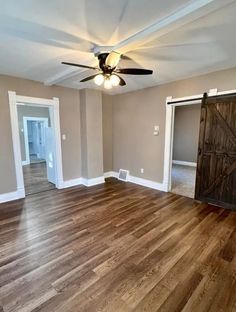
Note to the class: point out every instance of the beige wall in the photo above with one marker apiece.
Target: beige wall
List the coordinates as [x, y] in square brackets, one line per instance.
[107, 132]
[186, 132]
[92, 133]
[135, 114]
[29, 111]
[70, 125]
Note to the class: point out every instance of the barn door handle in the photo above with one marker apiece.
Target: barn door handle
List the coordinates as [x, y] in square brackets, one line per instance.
[199, 151]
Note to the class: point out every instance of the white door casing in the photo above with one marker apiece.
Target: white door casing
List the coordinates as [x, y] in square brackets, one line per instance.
[50, 155]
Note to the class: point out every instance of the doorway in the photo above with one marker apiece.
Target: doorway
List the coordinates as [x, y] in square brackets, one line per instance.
[36, 143]
[179, 169]
[34, 125]
[185, 149]
[34, 130]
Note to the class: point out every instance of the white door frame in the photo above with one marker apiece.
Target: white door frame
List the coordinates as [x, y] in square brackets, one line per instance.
[26, 138]
[53, 105]
[169, 129]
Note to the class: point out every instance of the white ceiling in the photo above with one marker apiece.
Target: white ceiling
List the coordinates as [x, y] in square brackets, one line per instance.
[175, 38]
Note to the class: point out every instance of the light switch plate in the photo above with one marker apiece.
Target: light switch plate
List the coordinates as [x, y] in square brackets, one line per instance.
[63, 137]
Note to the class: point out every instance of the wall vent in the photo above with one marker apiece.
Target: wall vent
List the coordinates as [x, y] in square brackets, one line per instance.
[123, 175]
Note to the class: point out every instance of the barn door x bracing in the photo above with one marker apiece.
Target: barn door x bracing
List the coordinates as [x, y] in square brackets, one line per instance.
[216, 169]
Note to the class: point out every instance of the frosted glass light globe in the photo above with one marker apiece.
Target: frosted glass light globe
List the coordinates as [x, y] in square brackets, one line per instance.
[99, 79]
[107, 83]
[115, 80]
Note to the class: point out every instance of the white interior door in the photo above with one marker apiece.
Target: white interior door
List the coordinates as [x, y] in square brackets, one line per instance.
[50, 156]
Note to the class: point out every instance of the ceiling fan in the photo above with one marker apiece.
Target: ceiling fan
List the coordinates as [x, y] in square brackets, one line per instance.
[109, 73]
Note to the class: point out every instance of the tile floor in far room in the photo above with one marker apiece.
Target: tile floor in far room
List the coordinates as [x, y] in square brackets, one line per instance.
[183, 180]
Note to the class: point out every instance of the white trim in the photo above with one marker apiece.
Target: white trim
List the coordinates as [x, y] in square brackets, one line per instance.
[92, 182]
[226, 92]
[140, 181]
[9, 197]
[34, 101]
[71, 183]
[111, 174]
[16, 141]
[53, 105]
[55, 123]
[83, 181]
[6, 197]
[170, 110]
[184, 163]
[147, 183]
[26, 137]
[185, 98]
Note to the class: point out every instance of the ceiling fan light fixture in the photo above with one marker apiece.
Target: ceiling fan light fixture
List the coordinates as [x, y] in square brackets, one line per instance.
[115, 80]
[99, 79]
[107, 83]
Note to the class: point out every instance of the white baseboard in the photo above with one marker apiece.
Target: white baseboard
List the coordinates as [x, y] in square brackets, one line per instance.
[71, 183]
[184, 163]
[94, 181]
[147, 183]
[110, 174]
[20, 193]
[139, 181]
[82, 181]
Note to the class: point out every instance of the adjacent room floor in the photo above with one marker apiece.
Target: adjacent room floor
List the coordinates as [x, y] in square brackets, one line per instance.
[116, 247]
[183, 180]
[35, 178]
[35, 159]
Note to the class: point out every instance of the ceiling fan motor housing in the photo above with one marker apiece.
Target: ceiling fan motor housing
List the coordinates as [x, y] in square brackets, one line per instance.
[102, 63]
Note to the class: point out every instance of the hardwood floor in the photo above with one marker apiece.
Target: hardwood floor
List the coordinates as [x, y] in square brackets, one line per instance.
[35, 178]
[116, 247]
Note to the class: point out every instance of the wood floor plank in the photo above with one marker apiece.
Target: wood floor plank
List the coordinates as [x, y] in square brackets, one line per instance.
[35, 178]
[116, 247]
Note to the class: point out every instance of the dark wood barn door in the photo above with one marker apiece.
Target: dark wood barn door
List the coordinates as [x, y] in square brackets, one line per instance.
[216, 169]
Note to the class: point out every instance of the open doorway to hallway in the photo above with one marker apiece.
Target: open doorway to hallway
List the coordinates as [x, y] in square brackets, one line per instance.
[37, 148]
[185, 148]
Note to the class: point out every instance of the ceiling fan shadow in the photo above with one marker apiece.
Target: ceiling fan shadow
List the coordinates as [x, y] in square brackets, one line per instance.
[34, 32]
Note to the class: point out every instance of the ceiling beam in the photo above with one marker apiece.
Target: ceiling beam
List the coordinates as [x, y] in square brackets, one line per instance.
[192, 11]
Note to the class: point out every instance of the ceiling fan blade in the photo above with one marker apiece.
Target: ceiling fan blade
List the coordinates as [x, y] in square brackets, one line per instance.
[122, 82]
[112, 59]
[134, 71]
[88, 78]
[79, 65]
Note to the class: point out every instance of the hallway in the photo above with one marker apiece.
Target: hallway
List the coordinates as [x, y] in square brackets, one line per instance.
[35, 178]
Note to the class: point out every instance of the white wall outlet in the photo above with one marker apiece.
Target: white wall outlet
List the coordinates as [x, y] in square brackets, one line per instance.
[63, 137]
[156, 128]
[142, 170]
